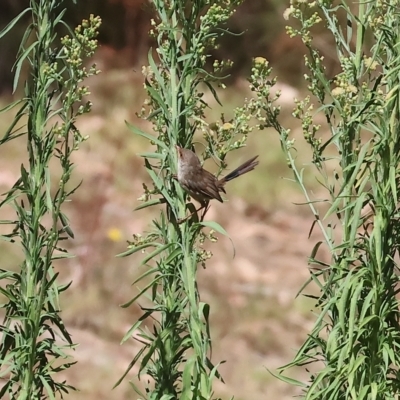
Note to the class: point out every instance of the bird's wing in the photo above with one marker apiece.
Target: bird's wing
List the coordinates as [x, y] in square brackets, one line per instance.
[207, 186]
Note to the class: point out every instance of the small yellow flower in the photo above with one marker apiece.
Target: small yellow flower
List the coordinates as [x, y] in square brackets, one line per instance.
[370, 63]
[114, 234]
[288, 12]
[260, 61]
[352, 89]
[227, 126]
[338, 91]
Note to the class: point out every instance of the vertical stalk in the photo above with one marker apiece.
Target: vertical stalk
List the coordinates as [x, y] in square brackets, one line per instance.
[357, 329]
[176, 354]
[29, 350]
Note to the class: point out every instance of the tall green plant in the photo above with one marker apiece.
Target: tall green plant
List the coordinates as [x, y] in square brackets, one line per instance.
[174, 330]
[32, 334]
[356, 338]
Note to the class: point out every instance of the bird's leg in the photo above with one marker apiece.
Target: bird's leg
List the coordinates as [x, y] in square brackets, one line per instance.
[204, 206]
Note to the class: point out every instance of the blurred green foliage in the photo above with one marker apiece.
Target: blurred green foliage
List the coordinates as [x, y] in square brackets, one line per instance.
[125, 40]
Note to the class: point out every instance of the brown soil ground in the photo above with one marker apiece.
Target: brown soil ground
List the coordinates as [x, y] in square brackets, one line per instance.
[257, 323]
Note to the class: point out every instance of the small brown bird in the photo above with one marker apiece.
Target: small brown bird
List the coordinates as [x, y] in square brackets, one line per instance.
[202, 185]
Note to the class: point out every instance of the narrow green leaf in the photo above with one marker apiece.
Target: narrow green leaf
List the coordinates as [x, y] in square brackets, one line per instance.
[355, 299]
[374, 391]
[57, 20]
[367, 303]
[315, 249]
[288, 380]
[392, 179]
[156, 156]
[356, 220]
[14, 22]
[155, 253]
[187, 379]
[130, 366]
[151, 348]
[135, 249]
[145, 274]
[49, 390]
[171, 257]
[154, 114]
[214, 371]
[218, 228]
[25, 178]
[152, 138]
[214, 92]
[150, 203]
[65, 225]
[306, 283]
[158, 182]
[4, 372]
[343, 304]
[185, 57]
[350, 182]
[137, 390]
[136, 325]
[363, 392]
[141, 292]
[157, 98]
[62, 256]
[12, 105]
[20, 62]
[7, 238]
[215, 226]
[49, 201]
[156, 72]
[10, 133]
[349, 29]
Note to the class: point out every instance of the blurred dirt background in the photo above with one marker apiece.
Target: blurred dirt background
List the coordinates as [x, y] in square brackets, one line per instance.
[257, 322]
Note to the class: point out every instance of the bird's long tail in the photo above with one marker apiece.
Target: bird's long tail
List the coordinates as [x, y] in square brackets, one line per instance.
[248, 166]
